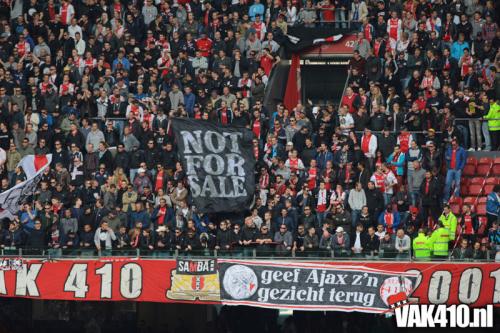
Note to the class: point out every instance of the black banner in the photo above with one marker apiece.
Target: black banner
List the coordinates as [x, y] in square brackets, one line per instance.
[219, 164]
[301, 38]
[311, 286]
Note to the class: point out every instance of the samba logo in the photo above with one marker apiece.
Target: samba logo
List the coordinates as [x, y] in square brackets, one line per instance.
[195, 279]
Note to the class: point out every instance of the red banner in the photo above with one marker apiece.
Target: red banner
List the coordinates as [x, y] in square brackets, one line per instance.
[197, 281]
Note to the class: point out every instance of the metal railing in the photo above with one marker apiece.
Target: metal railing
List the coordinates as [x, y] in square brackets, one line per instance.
[242, 253]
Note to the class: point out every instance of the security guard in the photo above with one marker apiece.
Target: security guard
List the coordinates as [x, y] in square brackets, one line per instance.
[439, 241]
[449, 221]
[421, 246]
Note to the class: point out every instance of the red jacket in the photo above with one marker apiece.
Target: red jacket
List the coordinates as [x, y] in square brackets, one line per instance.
[204, 45]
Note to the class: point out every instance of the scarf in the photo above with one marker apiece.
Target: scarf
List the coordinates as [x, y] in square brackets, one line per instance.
[311, 182]
[64, 13]
[365, 143]
[321, 206]
[389, 221]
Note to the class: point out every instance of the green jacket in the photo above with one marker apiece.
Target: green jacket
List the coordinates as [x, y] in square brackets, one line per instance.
[422, 247]
[439, 242]
[493, 117]
[450, 223]
[13, 159]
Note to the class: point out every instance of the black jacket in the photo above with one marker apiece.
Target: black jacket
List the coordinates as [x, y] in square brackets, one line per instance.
[430, 197]
[36, 239]
[122, 160]
[224, 238]
[107, 160]
[372, 244]
[364, 238]
[374, 201]
[60, 157]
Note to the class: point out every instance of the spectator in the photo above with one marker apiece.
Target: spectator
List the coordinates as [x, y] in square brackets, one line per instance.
[284, 241]
[340, 242]
[402, 245]
[76, 83]
[463, 252]
[311, 242]
[429, 192]
[493, 206]
[455, 162]
[390, 220]
[357, 200]
[387, 247]
[359, 240]
[469, 224]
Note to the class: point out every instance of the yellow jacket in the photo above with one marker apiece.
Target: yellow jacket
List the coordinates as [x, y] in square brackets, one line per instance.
[422, 247]
[450, 223]
[439, 242]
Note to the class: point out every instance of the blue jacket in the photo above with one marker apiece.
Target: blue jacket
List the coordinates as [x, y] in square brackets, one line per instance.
[124, 61]
[461, 158]
[322, 158]
[457, 49]
[189, 101]
[395, 218]
[492, 204]
[256, 9]
[141, 216]
[197, 222]
[399, 164]
[288, 221]
[169, 217]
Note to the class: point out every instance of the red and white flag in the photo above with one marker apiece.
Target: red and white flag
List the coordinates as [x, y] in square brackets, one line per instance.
[31, 164]
[12, 199]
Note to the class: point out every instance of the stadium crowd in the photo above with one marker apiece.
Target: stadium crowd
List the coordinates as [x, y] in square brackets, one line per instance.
[94, 83]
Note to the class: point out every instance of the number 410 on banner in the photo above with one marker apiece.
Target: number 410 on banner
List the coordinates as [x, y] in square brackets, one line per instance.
[130, 280]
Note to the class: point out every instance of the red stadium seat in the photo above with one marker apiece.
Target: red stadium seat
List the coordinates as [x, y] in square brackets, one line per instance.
[469, 201]
[470, 167]
[456, 205]
[464, 185]
[469, 170]
[496, 169]
[483, 169]
[491, 180]
[488, 188]
[485, 160]
[496, 160]
[471, 160]
[477, 181]
[481, 209]
[464, 189]
[456, 200]
[475, 190]
[482, 200]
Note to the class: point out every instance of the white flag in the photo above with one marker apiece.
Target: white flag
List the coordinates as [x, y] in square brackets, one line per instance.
[12, 199]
